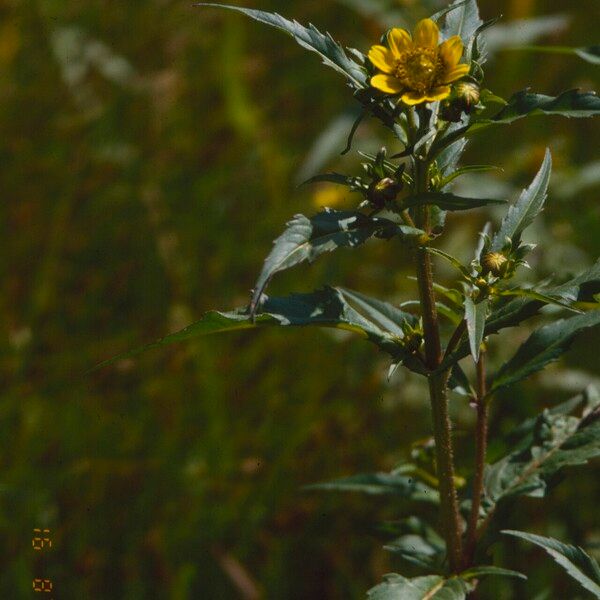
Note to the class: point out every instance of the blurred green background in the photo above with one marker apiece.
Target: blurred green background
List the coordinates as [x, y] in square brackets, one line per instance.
[150, 152]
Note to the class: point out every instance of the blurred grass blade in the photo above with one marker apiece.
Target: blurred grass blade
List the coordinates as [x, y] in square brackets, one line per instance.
[590, 54]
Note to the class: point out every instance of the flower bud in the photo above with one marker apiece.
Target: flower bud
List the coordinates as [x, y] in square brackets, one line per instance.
[463, 99]
[493, 262]
[467, 94]
[384, 190]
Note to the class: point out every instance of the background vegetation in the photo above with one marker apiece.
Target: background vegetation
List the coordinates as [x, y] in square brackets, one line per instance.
[150, 153]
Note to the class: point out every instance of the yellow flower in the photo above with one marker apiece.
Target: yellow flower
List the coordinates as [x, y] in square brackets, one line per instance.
[417, 67]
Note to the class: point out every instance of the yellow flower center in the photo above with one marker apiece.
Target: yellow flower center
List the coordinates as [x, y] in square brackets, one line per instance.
[418, 69]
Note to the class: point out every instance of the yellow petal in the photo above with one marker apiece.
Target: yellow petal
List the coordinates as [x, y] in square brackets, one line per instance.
[451, 50]
[426, 34]
[412, 98]
[387, 84]
[455, 73]
[438, 93]
[382, 58]
[399, 41]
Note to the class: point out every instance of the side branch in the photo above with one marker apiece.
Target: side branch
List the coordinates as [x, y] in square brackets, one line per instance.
[481, 434]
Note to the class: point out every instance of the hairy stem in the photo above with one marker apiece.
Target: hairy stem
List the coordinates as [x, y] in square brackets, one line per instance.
[481, 434]
[438, 391]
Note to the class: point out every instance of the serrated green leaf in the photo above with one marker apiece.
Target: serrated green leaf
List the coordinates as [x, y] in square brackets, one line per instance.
[429, 587]
[482, 571]
[556, 441]
[535, 295]
[448, 201]
[527, 207]
[463, 20]
[476, 50]
[393, 484]
[331, 53]
[419, 544]
[385, 315]
[475, 315]
[573, 559]
[449, 157]
[307, 238]
[542, 347]
[514, 312]
[444, 11]
[324, 308]
[526, 428]
[571, 103]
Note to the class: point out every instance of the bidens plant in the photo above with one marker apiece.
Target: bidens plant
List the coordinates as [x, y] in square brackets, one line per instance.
[428, 90]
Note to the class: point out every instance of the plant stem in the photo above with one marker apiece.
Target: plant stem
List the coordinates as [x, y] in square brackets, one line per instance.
[455, 338]
[438, 391]
[481, 434]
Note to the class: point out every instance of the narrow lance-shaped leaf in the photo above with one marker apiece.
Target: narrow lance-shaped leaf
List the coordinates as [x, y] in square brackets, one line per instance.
[393, 484]
[571, 103]
[536, 295]
[448, 201]
[484, 570]
[331, 53]
[574, 560]
[307, 238]
[475, 314]
[527, 207]
[542, 347]
[324, 308]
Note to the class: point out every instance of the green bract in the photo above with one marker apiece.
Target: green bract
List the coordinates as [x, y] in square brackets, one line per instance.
[402, 197]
